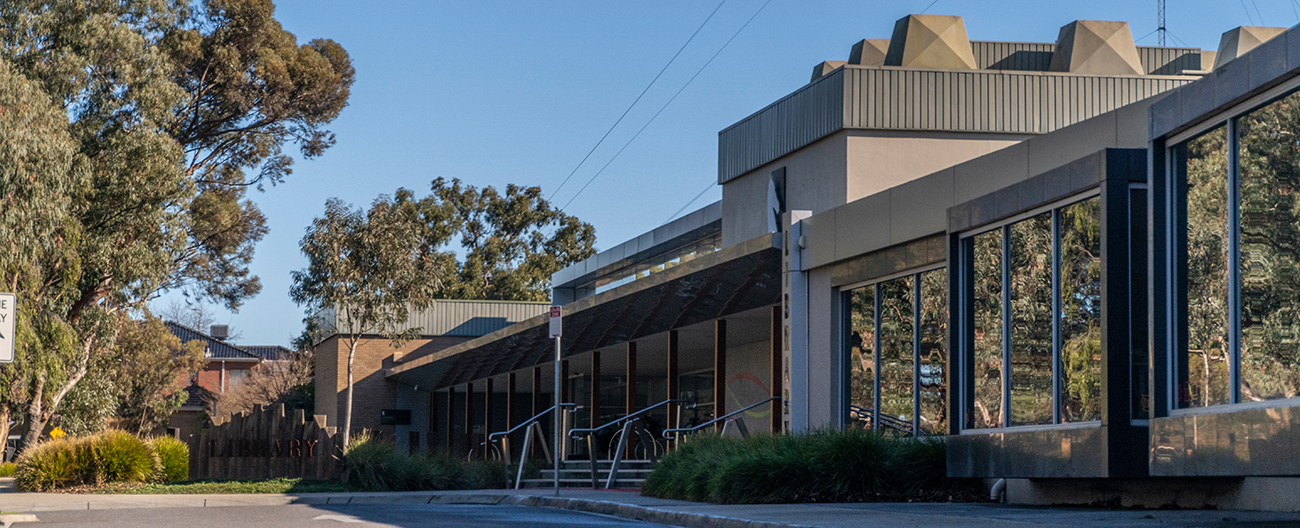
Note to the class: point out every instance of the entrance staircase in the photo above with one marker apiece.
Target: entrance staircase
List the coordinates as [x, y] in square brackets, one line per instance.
[577, 474]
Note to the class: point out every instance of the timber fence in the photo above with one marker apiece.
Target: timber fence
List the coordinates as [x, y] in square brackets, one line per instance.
[266, 444]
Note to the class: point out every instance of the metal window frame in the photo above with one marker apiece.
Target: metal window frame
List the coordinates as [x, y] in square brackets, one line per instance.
[966, 350]
[846, 293]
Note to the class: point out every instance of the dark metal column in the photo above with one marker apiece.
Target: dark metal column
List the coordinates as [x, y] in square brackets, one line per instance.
[719, 368]
[469, 417]
[451, 420]
[595, 389]
[629, 401]
[510, 408]
[487, 414]
[674, 390]
[777, 390]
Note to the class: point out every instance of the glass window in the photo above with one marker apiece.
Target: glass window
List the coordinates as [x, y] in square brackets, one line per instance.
[1034, 311]
[1031, 320]
[934, 352]
[1080, 324]
[1269, 263]
[1203, 370]
[986, 307]
[862, 347]
[896, 353]
[886, 367]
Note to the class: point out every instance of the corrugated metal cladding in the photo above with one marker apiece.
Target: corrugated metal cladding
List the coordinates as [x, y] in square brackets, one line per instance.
[473, 318]
[796, 120]
[464, 318]
[997, 101]
[1023, 56]
[1169, 61]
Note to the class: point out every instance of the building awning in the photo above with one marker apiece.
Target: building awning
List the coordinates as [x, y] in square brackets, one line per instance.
[732, 280]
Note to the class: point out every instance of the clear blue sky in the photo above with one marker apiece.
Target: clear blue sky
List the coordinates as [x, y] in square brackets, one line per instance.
[518, 92]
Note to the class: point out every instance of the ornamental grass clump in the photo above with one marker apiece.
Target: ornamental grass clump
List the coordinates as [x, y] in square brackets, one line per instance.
[175, 457]
[102, 458]
[818, 466]
[373, 464]
[47, 466]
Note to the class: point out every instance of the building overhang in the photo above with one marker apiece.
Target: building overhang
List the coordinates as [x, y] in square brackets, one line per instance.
[735, 279]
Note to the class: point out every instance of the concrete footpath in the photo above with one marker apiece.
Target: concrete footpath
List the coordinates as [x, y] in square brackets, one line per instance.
[631, 505]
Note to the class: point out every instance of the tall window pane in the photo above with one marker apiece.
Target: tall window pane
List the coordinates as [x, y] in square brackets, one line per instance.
[896, 356]
[1269, 180]
[985, 409]
[1081, 311]
[934, 351]
[862, 347]
[1031, 320]
[1204, 372]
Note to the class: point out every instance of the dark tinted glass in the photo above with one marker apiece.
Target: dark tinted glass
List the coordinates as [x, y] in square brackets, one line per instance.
[896, 358]
[934, 351]
[1203, 373]
[985, 408]
[1031, 320]
[1080, 321]
[862, 347]
[1269, 194]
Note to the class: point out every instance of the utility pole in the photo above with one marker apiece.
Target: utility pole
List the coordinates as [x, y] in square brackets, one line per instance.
[1160, 21]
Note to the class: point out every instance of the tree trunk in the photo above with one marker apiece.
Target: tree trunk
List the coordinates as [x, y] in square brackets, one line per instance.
[35, 415]
[38, 414]
[5, 416]
[347, 406]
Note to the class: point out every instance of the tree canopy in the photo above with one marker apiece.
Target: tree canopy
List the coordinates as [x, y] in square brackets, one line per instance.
[136, 124]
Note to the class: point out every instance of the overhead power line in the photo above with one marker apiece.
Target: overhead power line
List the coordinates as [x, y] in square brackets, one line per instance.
[665, 106]
[688, 204]
[638, 99]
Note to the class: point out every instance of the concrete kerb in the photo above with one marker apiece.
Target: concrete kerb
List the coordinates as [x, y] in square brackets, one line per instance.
[59, 502]
[644, 513]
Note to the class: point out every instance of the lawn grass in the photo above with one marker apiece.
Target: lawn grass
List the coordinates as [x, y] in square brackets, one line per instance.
[278, 485]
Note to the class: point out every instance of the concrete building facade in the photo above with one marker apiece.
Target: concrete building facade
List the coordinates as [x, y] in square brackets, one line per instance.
[1072, 260]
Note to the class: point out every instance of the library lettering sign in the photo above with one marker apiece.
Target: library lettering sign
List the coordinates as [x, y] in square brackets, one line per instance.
[266, 444]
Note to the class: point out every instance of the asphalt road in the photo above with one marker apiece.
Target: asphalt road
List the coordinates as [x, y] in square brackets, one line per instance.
[341, 516]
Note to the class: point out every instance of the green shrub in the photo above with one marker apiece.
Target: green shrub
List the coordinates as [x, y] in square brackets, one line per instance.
[7, 469]
[175, 457]
[117, 456]
[47, 466]
[373, 464]
[819, 466]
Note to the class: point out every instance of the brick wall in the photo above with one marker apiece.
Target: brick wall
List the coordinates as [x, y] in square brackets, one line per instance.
[372, 391]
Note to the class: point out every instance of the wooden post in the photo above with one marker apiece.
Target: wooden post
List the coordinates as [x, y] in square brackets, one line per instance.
[565, 397]
[777, 406]
[629, 403]
[595, 389]
[674, 389]
[510, 400]
[719, 368]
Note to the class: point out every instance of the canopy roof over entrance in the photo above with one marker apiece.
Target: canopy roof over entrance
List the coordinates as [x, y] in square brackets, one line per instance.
[738, 278]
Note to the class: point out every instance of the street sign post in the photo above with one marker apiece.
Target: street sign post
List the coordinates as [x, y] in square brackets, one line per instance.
[557, 329]
[8, 309]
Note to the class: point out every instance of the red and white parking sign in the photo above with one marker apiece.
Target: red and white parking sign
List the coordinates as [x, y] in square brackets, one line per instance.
[557, 314]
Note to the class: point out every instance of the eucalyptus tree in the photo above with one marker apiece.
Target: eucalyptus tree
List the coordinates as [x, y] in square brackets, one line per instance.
[166, 108]
[368, 269]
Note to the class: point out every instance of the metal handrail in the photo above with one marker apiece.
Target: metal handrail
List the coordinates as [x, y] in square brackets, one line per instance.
[574, 433]
[494, 436]
[886, 420]
[719, 419]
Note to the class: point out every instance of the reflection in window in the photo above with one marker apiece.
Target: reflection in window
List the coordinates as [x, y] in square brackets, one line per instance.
[986, 405]
[1031, 320]
[896, 358]
[862, 347]
[1204, 372]
[1269, 205]
[934, 351]
[1081, 311]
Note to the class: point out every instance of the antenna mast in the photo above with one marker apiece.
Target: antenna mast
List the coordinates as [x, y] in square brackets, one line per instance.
[1160, 21]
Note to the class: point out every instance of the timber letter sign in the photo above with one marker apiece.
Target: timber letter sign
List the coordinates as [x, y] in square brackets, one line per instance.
[266, 444]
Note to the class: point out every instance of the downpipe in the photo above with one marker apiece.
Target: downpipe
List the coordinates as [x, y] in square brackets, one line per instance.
[999, 490]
